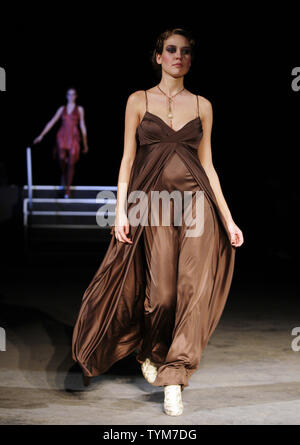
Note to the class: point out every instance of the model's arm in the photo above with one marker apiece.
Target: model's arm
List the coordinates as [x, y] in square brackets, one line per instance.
[205, 156]
[49, 125]
[132, 118]
[83, 129]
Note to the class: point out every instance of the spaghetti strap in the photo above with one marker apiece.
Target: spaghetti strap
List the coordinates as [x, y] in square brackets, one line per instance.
[146, 100]
[197, 104]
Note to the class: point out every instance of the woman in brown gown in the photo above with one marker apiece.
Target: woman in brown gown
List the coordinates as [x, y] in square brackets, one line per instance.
[159, 291]
[67, 148]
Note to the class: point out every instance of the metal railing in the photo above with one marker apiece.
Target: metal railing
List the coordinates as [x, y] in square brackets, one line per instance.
[29, 176]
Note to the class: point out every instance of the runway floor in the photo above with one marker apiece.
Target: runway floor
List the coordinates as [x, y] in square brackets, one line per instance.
[248, 374]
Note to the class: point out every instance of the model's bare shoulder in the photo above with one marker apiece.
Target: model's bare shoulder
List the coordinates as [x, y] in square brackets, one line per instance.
[59, 111]
[137, 97]
[205, 106]
[136, 102]
[204, 102]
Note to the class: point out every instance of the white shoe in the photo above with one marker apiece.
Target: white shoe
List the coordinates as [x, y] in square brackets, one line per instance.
[173, 403]
[149, 370]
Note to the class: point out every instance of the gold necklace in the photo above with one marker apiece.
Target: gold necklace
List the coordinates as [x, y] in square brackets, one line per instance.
[170, 114]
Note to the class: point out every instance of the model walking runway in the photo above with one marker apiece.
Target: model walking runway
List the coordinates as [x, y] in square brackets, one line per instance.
[158, 290]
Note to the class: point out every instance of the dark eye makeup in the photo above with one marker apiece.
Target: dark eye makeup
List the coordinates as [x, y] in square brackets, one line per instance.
[172, 49]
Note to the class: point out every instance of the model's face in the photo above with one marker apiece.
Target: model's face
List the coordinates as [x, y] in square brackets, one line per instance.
[176, 56]
[71, 95]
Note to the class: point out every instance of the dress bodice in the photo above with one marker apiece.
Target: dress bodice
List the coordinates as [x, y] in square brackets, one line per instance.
[152, 129]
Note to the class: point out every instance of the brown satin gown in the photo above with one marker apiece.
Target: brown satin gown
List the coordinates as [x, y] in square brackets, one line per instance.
[163, 295]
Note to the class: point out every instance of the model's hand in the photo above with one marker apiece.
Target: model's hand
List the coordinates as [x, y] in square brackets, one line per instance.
[121, 228]
[236, 234]
[86, 149]
[38, 139]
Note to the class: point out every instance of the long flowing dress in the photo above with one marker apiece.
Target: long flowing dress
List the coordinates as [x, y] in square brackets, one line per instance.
[68, 135]
[162, 295]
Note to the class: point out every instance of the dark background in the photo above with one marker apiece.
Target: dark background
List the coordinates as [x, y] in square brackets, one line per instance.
[242, 66]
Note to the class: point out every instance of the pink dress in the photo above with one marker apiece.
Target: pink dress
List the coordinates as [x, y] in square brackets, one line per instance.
[68, 136]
